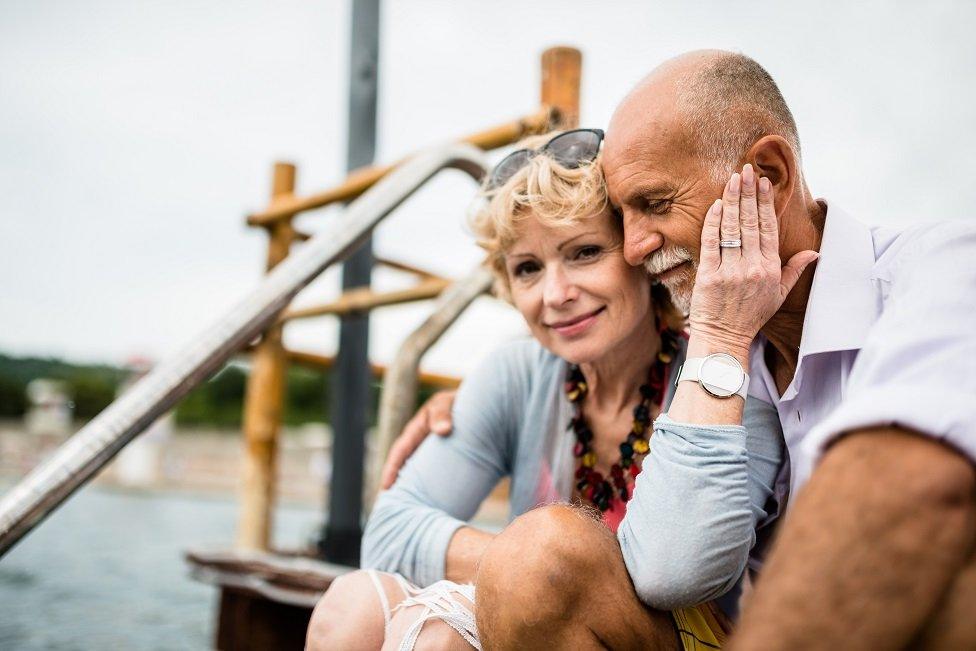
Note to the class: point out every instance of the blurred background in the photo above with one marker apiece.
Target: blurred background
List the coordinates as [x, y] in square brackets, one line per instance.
[136, 136]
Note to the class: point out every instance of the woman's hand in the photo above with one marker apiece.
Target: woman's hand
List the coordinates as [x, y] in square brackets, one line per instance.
[737, 289]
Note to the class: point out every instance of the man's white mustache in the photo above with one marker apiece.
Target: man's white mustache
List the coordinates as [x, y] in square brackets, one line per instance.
[664, 259]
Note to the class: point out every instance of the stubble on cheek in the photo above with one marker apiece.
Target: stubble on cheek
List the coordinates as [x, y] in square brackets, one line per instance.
[680, 288]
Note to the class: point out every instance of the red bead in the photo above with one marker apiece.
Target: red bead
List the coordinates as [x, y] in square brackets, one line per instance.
[579, 449]
[634, 470]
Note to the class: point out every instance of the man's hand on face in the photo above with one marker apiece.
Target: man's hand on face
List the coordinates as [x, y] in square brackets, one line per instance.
[433, 416]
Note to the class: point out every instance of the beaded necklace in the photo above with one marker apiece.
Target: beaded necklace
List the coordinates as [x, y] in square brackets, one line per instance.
[591, 484]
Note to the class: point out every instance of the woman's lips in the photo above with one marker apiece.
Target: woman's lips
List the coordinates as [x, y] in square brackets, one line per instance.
[577, 325]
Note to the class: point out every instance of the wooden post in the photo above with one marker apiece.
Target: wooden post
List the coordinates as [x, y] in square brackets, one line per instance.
[265, 396]
[561, 69]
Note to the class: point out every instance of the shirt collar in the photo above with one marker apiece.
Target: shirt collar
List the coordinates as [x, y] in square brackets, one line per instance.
[843, 303]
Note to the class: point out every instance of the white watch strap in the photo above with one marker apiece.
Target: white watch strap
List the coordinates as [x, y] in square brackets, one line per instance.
[691, 371]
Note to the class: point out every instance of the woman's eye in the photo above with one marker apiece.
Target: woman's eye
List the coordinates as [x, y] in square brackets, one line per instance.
[588, 252]
[525, 269]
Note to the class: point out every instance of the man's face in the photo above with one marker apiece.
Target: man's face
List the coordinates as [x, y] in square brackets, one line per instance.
[662, 192]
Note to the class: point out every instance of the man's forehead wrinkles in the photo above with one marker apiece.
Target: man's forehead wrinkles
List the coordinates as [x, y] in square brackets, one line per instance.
[635, 179]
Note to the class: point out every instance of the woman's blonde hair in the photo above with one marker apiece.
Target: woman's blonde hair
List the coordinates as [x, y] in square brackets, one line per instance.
[556, 196]
[544, 190]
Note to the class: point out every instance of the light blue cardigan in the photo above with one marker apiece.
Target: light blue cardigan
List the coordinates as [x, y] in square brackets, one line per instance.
[689, 528]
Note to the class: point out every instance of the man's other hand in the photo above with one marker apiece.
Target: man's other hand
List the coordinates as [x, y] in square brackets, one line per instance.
[433, 416]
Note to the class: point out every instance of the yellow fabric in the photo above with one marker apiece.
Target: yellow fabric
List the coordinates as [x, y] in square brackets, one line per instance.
[698, 628]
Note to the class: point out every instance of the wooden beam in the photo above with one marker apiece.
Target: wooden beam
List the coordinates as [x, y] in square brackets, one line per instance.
[364, 299]
[318, 361]
[264, 396]
[561, 72]
[402, 266]
[361, 180]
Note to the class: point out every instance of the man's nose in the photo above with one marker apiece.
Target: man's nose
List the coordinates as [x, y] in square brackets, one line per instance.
[640, 240]
[559, 288]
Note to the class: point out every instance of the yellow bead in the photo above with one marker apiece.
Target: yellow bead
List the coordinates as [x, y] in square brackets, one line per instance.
[641, 446]
[664, 357]
[589, 459]
[638, 428]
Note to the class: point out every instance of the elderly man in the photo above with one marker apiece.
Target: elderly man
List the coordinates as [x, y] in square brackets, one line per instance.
[871, 363]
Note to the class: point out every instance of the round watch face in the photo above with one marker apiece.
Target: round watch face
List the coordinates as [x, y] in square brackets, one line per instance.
[721, 375]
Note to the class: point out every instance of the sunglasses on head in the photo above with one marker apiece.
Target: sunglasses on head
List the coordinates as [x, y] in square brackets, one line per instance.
[571, 149]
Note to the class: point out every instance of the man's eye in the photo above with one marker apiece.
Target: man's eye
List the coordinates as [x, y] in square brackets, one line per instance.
[657, 206]
[525, 269]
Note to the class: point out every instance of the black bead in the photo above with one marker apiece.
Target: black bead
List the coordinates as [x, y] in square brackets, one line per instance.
[626, 450]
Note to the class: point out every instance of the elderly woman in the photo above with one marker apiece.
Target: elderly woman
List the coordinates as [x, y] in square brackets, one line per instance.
[575, 414]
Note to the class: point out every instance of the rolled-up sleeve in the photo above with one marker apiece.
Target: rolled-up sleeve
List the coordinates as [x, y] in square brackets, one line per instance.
[917, 369]
[696, 506]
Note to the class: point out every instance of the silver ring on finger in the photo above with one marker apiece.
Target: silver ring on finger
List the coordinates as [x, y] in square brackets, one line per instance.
[730, 244]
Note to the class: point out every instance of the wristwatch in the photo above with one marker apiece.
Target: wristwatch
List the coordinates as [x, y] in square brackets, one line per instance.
[720, 374]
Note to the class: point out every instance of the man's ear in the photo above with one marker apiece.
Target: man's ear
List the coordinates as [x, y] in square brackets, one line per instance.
[772, 157]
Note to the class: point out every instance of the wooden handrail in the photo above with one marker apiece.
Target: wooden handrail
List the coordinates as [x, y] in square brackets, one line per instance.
[361, 180]
[317, 361]
[407, 268]
[399, 396]
[362, 299]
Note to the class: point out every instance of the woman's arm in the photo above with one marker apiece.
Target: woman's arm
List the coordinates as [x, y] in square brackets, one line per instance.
[703, 491]
[692, 521]
[419, 527]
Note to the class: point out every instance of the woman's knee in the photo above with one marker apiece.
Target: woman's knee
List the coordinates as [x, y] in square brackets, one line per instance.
[349, 615]
[542, 559]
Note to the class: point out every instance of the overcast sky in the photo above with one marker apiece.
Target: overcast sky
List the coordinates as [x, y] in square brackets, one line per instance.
[135, 136]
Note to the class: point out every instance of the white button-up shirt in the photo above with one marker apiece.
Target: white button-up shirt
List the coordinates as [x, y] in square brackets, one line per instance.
[889, 338]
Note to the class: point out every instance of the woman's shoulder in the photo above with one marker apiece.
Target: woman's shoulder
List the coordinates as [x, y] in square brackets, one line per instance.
[523, 358]
[520, 373]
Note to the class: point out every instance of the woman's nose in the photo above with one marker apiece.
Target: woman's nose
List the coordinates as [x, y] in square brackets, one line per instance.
[558, 288]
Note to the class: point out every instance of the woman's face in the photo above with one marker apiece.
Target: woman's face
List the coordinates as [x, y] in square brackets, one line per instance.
[577, 293]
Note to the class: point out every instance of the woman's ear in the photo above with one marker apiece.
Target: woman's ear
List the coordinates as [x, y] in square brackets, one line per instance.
[774, 158]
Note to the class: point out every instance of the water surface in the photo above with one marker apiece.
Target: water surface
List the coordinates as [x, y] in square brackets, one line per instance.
[106, 571]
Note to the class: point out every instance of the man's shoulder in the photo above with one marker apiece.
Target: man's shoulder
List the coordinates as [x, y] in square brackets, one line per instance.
[931, 245]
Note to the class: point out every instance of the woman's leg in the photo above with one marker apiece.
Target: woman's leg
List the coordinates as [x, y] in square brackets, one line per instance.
[555, 578]
[350, 615]
[435, 634]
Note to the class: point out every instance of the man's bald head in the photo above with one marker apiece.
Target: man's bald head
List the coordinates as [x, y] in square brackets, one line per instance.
[718, 102]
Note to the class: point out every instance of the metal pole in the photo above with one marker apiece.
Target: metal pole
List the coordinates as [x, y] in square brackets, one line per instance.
[350, 397]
